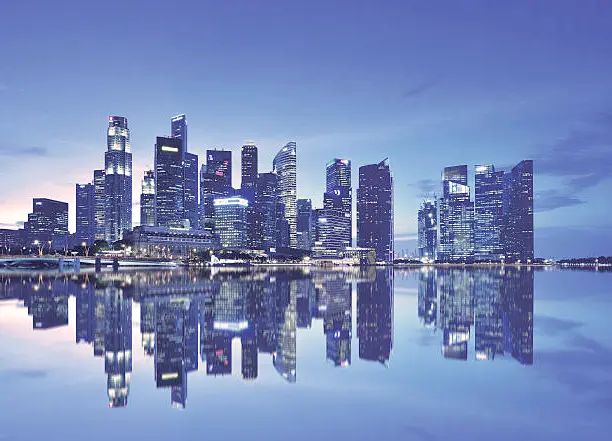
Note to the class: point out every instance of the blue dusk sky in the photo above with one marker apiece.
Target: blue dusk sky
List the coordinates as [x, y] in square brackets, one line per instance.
[427, 84]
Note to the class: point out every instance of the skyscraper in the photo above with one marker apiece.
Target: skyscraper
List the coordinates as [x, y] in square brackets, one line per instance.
[230, 221]
[375, 210]
[118, 179]
[85, 218]
[169, 156]
[428, 230]
[488, 215]
[304, 228]
[178, 129]
[338, 191]
[48, 222]
[285, 167]
[99, 204]
[147, 199]
[518, 212]
[190, 189]
[331, 231]
[456, 216]
[248, 166]
[215, 182]
[266, 200]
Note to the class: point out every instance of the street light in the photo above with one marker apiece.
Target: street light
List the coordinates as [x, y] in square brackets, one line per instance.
[86, 248]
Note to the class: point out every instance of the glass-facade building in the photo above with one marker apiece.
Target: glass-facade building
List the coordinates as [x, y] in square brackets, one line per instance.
[428, 230]
[99, 183]
[85, 217]
[48, 222]
[266, 201]
[147, 199]
[488, 215]
[338, 190]
[248, 166]
[304, 227]
[190, 189]
[169, 156]
[456, 216]
[231, 222]
[215, 182]
[118, 179]
[285, 166]
[517, 209]
[331, 230]
[375, 210]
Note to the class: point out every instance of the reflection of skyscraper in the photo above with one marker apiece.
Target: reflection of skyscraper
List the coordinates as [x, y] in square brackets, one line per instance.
[285, 167]
[517, 294]
[456, 216]
[335, 302]
[487, 314]
[375, 210]
[147, 326]
[85, 308]
[49, 305]
[118, 179]
[428, 298]
[249, 355]
[488, 212]
[284, 358]
[118, 345]
[375, 317]
[518, 212]
[456, 288]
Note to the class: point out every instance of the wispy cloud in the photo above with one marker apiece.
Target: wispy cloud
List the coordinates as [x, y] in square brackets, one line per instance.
[25, 151]
[548, 200]
[426, 187]
[420, 88]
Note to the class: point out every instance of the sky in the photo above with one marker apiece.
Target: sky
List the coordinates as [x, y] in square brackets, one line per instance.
[426, 84]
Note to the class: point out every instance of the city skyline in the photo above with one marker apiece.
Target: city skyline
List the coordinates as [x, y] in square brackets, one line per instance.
[493, 108]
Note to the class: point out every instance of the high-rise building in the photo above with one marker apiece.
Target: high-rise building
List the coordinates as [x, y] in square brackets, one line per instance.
[375, 210]
[266, 200]
[331, 228]
[178, 129]
[304, 227]
[85, 213]
[147, 199]
[231, 222]
[285, 166]
[248, 166]
[118, 179]
[215, 182]
[428, 229]
[456, 216]
[338, 190]
[518, 212]
[48, 224]
[488, 214]
[190, 190]
[99, 204]
[169, 156]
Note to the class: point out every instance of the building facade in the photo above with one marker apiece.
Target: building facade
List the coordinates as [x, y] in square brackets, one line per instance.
[488, 213]
[190, 190]
[215, 182]
[231, 222]
[85, 214]
[517, 205]
[338, 190]
[330, 233]
[428, 230]
[266, 200]
[99, 182]
[285, 166]
[147, 199]
[375, 210]
[47, 225]
[117, 179]
[304, 224]
[169, 157]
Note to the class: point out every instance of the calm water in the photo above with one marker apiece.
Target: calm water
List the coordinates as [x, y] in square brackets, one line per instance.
[306, 354]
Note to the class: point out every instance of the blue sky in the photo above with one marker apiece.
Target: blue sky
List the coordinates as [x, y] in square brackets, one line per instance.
[427, 84]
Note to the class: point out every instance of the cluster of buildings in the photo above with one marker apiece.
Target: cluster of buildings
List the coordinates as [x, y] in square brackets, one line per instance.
[496, 226]
[227, 323]
[182, 211]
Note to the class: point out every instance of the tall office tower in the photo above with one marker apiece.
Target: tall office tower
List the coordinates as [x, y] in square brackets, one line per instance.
[117, 345]
[285, 167]
[375, 210]
[304, 224]
[48, 222]
[375, 317]
[248, 166]
[248, 188]
[190, 190]
[100, 203]
[331, 233]
[488, 213]
[118, 179]
[85, 217]
[169, 157]
[518, 212]
[215, 182]
[338, 190]
[178, 129]
[230, 221]
[147, 199]
[456, 216]
[428, 229]
[266, 201]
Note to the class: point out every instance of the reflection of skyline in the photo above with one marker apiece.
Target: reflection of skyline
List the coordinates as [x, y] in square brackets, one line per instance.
[189, 319]
[497, 303]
